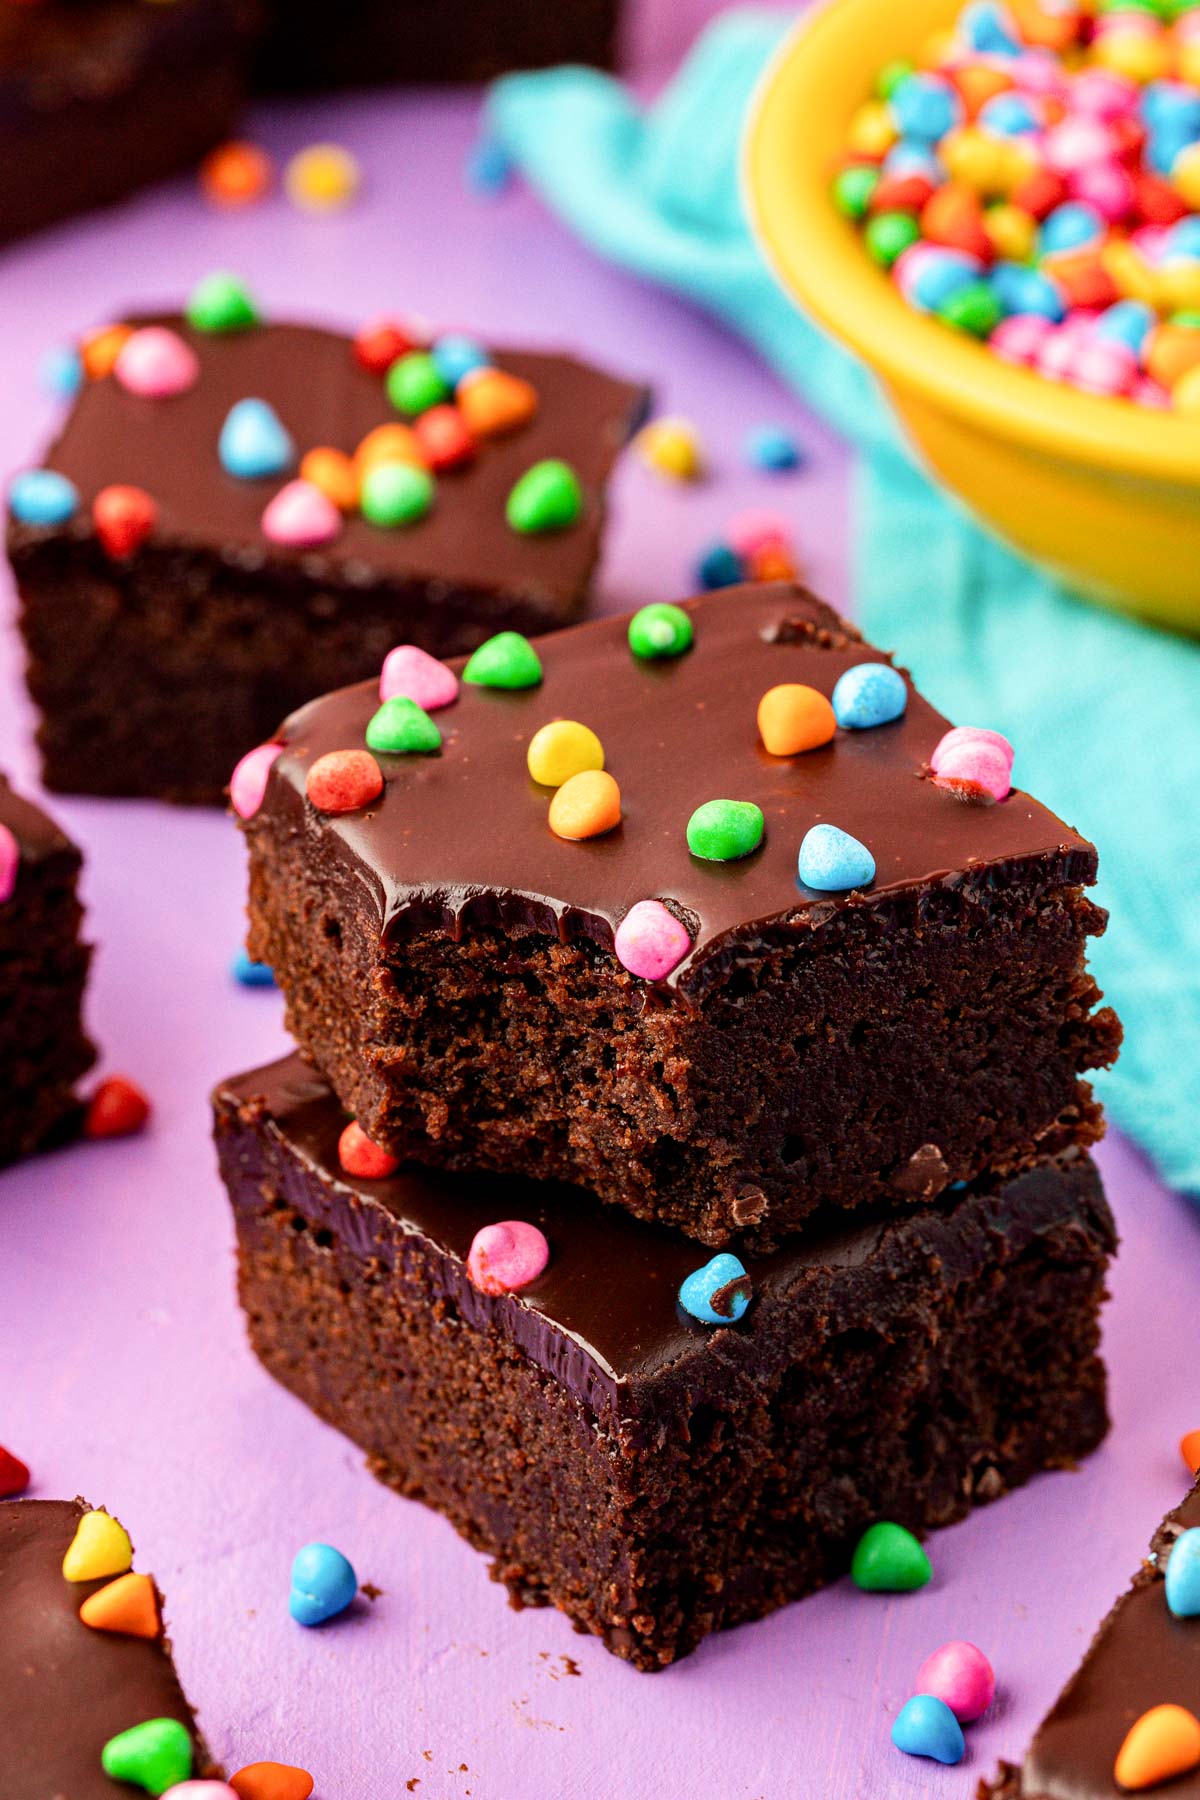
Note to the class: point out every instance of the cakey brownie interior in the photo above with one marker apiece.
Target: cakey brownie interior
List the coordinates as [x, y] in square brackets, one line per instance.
[1142, 1656]
[43, 971]
[99, 97]
[448, 961]
[655, 1477]
[209, 631]
[65, 1688]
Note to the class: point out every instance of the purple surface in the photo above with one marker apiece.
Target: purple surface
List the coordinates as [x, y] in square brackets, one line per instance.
[124, 1371]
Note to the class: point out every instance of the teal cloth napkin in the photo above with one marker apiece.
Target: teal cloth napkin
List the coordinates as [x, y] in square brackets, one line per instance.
[1104, 713]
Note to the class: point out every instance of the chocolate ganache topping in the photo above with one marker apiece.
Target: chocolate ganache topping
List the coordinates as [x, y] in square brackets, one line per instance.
[462, 835]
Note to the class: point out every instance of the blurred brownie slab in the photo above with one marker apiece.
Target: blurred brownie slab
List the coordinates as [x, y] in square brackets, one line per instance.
[450, 964]
[363, 43]
[1143, 1656]
[656, 1478]
[67, 1689]
[208, 630]
[100, 97]
[43, 970]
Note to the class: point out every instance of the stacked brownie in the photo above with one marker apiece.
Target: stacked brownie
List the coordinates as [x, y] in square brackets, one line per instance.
[657, 938]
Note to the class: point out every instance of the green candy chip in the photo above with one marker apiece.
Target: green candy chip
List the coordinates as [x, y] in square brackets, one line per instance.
[547, 497]
[660, 630]
[396, 493]
[724, 830]
[973, 309]
[414, 384]
[852, 190]
[889, 1560]
[507, 660]
[221, 303]
[402, 728]
[153, 1756]
[888, 236]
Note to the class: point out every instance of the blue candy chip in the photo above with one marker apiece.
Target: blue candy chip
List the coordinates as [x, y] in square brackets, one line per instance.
[720, 567]
[987, 27]
[61, 371]
[455, 356]
[925, 1726]
[717, 1294]
[925, 107]
[323, 1584]
[1183, 1575]
[254, 442]
[1010, 115]
[42, 497]
[940, 274]
[1127, 322]
[1071, 226]
[833, 862]
[869, 694]
[490, 168]
[1022, 290]
[251, 974]
[771, 447]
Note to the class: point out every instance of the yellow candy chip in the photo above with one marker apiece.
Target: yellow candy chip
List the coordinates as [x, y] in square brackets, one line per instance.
[872, 131]
[671, 447]
[1139, 56]
[1012, 230]
[1185, 395]
[1179, 287]
[100, 1547]
[562, 749]
[323, 178]
[1185, 175]
[1134, 277]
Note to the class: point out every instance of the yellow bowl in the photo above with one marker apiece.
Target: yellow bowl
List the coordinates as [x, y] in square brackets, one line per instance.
[1103, 491]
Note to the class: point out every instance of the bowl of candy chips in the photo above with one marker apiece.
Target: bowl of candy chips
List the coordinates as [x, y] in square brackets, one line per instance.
[997, 206]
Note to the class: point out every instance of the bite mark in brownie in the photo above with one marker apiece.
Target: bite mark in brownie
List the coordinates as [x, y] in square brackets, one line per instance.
[100, 97]
[209, 632]
[654, 1478]
[1142, 1656]
[43, 971]
[448, 963]
[66, 1689]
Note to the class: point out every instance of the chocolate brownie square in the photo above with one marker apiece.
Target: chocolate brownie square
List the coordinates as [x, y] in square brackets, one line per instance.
[43, 970]
[1143, 1656]
[67, 1688]
[658, 1478]
[158, 658]
[100, 97]
[456, 969]
[315, 44]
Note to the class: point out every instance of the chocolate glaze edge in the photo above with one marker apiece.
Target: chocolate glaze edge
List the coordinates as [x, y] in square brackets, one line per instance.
[603, 1318]
[923, 838]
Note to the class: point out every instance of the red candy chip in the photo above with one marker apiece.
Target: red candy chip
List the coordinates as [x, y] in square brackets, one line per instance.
[118, 1108]
[444, 437]
[1157, 201]
[379, 344]
[343, 780]
[359, 1156]
[124, 518]
[1040, 192]
[14, 1476]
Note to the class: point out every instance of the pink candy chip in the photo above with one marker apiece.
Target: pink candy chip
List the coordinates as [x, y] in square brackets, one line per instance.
[753, 531]
[10, 862]
[960, 1675]
[412, 674]
[201, 1790]
[248, 783]
[156, 363]
[650, 941]
[301, 515]
[973, 762]
[507, 1256]
[1019, 338]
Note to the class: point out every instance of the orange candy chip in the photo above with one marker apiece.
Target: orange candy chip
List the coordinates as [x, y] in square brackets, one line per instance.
[333, 472]
[271, 1781]
[128, 1605]
[236, 174]
[1163, 1743]
[793, 718]
[100, 350]
[1189, 1449]
[388, 443]
[492, 402]
[587, 805]
[359, 1156]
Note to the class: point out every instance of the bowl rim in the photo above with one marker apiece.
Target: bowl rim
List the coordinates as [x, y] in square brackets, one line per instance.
[818, 258]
